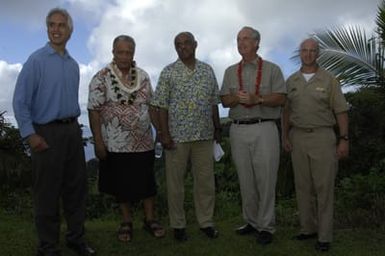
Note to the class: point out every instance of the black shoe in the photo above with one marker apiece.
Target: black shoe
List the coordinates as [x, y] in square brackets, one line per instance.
[180, 234]
[264, 237]
[81, 249]
[246, 230]
[41, 253]
[302, 236]
[322, 246]
[210, 232]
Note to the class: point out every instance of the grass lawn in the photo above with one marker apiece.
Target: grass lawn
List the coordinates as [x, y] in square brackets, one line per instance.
[17, 238]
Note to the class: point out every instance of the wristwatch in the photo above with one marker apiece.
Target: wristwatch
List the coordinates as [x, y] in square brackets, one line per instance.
[343, 137]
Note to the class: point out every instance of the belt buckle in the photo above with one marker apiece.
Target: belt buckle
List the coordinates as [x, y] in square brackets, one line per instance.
[309, 130]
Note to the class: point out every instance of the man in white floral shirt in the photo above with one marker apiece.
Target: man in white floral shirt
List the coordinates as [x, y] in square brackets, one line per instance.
[120, 119]
[187, 97]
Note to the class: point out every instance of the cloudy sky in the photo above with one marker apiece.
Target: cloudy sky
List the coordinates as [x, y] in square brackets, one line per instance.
[154, 24]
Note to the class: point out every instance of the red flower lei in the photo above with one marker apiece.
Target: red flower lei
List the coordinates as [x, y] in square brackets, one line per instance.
[257, 79]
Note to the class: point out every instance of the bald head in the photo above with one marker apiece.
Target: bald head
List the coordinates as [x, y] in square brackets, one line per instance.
[186, 34]
[309, 43]
[309, 51]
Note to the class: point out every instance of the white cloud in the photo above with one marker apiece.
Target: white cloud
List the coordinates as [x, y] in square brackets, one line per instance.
[8, 77]
[86, 73]
[215, 23]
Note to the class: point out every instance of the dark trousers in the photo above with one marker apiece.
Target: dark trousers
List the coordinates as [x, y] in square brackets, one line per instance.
[60, 179]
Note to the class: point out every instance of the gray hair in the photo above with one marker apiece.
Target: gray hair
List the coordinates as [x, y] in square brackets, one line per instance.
[123, 38]
[254, 33]
[63, 12]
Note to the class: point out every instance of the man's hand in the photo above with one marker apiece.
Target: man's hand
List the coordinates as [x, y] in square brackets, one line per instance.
[166, 140]
[287, 145]
[343, 149]
[100, 150]
[37, 143]
[247, 98]
[218, 135]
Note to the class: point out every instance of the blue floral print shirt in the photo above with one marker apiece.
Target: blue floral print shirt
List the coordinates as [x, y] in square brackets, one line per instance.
[188, 95]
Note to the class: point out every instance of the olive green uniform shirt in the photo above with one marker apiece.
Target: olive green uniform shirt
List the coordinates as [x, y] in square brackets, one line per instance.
[313, 104]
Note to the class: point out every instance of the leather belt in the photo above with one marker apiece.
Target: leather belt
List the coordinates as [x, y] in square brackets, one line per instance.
[310, 130]
[68, 120]
[252, 121]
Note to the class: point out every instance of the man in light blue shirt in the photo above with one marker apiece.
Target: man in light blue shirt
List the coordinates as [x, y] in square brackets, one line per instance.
[46, 109]
[46, 90]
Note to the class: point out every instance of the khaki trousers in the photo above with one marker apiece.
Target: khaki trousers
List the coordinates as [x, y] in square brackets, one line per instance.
[315, 166]
[255, 151]
[200, 155]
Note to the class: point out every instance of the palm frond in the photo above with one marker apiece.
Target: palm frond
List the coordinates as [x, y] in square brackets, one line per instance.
[353, 58]
[380, 21]
[349, 55]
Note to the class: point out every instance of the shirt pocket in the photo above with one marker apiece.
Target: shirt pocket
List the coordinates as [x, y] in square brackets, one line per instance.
[293, 93]
[319, 94]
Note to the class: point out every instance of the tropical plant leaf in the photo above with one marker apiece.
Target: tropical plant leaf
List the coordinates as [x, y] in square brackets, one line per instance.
[353, 58]
[380, 21]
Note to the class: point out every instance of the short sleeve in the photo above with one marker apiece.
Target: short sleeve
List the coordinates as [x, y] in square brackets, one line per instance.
[97, 92]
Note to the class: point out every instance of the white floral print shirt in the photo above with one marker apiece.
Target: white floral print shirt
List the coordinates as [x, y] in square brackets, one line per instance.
[125, 120]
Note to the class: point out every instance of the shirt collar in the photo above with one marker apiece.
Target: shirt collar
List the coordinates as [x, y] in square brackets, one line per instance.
[298, 75]
[182, 65]
[51, 50]
[254, 62]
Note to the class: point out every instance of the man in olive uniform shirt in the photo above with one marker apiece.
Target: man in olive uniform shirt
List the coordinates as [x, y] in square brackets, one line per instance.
[254, 90]
[315, 103]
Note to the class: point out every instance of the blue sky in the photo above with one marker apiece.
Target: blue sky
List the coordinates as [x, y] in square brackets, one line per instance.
[154, 23]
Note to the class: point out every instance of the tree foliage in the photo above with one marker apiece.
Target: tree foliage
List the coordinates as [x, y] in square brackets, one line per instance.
[14, 161]
[15, 169]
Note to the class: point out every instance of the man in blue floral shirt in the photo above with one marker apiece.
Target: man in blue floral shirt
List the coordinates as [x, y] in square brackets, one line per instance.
[187, 97]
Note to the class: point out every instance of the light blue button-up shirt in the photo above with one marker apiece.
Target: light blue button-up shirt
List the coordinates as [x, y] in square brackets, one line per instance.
[47, 89]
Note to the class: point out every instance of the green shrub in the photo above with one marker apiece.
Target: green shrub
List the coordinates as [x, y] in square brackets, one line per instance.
[366, 131]
[360, 198]
[15, 170]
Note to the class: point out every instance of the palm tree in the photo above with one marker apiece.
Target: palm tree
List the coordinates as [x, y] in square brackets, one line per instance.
[353, 57]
